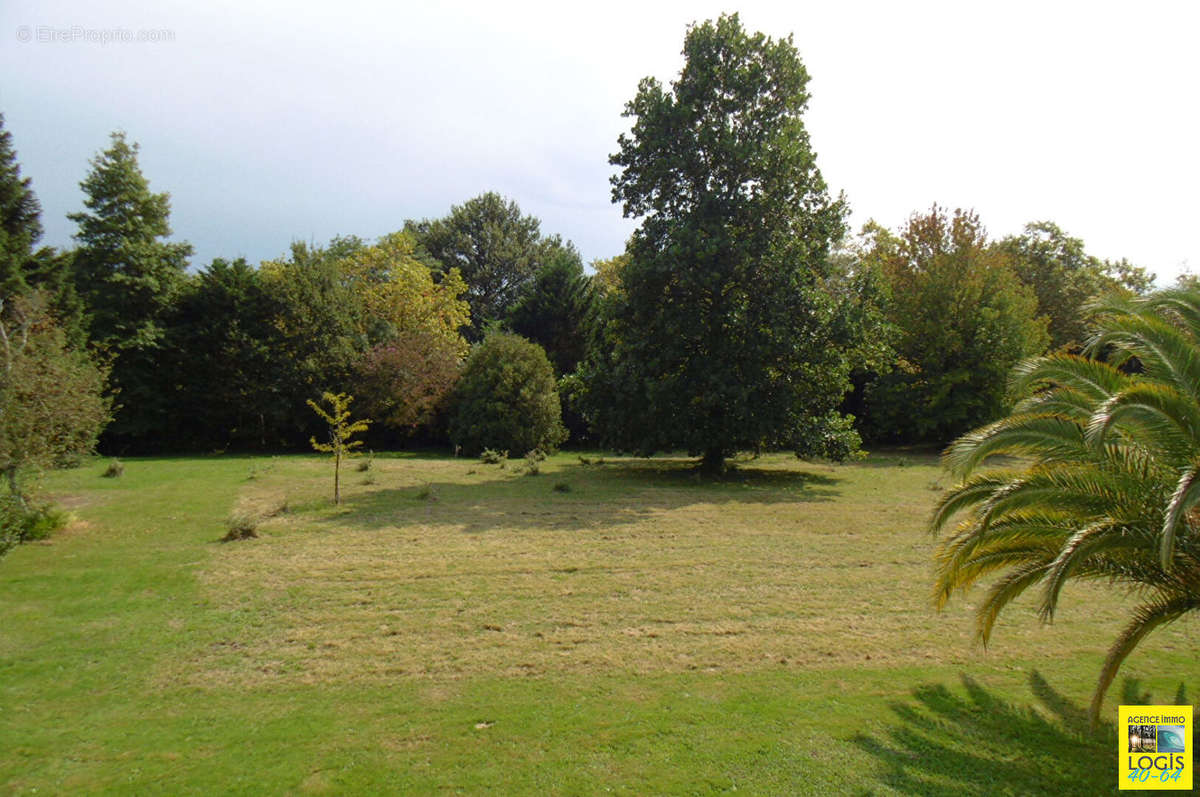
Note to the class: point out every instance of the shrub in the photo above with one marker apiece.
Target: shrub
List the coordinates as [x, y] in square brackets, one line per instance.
[490, 456]
[533, 460]
[23, 521]
[116, 468]
[506, 398]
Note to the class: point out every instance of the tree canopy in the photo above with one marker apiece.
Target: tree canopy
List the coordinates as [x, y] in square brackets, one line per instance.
[961, 319]
[20, 219]
[1065, 278]
[721, 337]
[495, 248]
[128, 277]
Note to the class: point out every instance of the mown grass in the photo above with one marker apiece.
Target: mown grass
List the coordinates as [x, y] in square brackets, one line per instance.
[455, 626]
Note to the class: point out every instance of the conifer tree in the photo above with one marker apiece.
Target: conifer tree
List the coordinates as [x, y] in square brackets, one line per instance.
[128, 275]
[20, 220]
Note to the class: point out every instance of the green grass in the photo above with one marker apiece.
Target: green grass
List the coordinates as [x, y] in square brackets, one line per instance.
[456, 626]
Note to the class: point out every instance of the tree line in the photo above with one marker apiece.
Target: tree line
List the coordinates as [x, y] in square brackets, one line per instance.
[741, 315]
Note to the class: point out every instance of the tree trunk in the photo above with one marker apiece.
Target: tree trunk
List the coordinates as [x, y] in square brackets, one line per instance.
[337, 469]
[713, 462]
[10, 473]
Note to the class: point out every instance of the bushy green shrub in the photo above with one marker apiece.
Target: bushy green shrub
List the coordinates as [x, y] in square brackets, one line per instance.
[506, 398]
[22, 522]
[491, 456]
[533, 461]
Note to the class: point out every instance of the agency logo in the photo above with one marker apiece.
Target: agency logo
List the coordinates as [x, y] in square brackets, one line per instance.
[1154, 746]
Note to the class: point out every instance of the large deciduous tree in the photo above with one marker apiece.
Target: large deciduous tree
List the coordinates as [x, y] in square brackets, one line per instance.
[1065, 278]
[496, 249]
[961, 318]
[721, 337]
[128, 275]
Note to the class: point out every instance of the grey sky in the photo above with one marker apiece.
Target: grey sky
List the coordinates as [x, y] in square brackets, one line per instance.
[269, 122]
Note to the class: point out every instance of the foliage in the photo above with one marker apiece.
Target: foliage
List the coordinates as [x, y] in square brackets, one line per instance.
[51, 403]
[341, 433]
[404, 382]
[353, 313]
[400, 297]
[318, 322]
[607, 274]
[1065, 278]
[506, 398]
[240, 526]
[721, 337]
[495, 248]
[1107, 486]
[533, 461]
[961, 321]
[115, 470]
[22, 521]
[128, 277]
[555, 309]
[228, 361]
[20, 220]
[490, 456]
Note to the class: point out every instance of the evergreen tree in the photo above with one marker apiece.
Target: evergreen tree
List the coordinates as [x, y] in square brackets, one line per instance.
[127, 275]
[555, 309]
[20, 220]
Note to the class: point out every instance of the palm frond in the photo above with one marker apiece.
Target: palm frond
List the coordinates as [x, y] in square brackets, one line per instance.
[1090, 377]
[1046, 437]
[1187, 493]
[1146, 618]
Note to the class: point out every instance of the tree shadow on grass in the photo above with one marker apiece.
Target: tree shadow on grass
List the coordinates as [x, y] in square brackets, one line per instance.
[598, 496]
[947, 744]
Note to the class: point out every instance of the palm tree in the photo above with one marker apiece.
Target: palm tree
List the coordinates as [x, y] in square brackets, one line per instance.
[1106, 482]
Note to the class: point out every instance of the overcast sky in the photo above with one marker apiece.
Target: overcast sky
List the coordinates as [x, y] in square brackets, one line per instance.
[269, 122]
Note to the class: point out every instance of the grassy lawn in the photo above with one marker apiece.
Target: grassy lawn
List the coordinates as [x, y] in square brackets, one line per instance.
[606, 627]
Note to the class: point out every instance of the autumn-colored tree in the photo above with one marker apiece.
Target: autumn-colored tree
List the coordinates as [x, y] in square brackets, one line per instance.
[606, 274]
[341, 432]
[404, 381]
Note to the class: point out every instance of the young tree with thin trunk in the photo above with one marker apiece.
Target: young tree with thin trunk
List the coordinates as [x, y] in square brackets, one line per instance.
[341, 430]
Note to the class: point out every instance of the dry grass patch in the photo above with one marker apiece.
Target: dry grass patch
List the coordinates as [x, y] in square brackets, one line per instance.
[640, 569]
